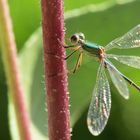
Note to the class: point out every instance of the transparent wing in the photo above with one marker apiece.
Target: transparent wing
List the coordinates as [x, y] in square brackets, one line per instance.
[129, 40]
[99, 109]
[118, 80]
[133, 61]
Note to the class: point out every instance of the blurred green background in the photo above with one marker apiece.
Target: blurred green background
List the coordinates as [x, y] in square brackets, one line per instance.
[101, 21]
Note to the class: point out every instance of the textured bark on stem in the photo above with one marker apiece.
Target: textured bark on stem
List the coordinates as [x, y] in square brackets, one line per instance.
[55, 70]
[12, 72]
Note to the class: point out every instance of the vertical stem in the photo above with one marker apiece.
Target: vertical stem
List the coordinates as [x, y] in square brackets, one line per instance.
[55, 70]
[8, 48]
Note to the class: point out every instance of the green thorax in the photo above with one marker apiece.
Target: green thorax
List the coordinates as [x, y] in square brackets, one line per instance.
[91, 48]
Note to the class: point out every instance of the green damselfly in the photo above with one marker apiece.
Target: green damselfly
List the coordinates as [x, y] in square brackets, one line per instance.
[99, 109]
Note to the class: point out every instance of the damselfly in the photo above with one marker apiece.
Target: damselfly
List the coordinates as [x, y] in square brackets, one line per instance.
[99, 109]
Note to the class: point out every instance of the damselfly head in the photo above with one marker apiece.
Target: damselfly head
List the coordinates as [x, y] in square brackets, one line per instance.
[81, 36]
[77, 38]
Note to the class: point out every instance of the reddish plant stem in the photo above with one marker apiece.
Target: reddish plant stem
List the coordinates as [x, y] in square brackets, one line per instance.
[8, 48]
[55, 70]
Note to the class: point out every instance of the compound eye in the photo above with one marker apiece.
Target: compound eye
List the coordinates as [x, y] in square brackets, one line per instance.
[74, 39]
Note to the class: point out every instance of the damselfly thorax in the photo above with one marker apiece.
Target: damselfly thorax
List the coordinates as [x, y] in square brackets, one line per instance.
[94, 50]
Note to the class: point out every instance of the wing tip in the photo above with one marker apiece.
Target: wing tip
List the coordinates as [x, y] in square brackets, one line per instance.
[95, 133]
[90, 124]
[126, 97]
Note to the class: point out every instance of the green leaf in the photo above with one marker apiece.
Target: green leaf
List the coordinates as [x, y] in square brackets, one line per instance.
[4, 133]
[26, 17]
[72, 4]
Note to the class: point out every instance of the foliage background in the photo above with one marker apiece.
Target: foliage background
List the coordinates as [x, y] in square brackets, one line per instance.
[101, 21]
